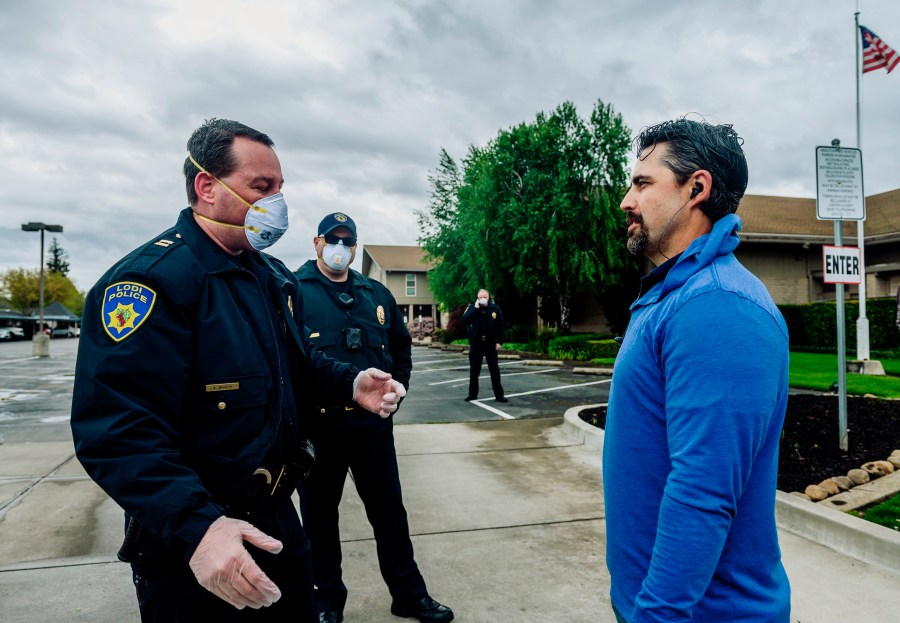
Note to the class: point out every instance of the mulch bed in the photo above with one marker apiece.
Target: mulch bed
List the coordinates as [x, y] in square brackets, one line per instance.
[809, 443]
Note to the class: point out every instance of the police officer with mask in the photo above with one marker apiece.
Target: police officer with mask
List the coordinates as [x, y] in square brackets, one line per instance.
[486, 332]
[193, 387]
[356, 320]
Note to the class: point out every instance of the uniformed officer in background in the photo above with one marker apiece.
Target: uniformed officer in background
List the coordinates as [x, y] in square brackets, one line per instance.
[486, 332]
[356, 320]
[193, 385]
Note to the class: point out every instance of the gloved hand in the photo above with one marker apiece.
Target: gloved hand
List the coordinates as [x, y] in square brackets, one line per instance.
[377, 392]
[224, 567]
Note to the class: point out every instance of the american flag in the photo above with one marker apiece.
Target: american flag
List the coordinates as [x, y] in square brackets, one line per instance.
[877, 53]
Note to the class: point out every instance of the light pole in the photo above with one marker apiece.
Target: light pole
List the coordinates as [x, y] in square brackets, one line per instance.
[40, 343]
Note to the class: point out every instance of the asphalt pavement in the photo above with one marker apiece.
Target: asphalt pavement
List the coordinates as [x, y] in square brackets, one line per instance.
[504, 501]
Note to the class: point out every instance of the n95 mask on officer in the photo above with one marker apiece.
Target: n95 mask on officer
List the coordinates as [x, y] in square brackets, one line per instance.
[337, 256]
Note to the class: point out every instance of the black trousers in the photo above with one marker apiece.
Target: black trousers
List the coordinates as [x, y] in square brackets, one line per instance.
[168, 592]
[488, 351]
[368, 452]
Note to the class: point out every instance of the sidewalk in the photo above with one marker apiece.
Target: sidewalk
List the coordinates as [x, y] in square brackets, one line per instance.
[507, 522]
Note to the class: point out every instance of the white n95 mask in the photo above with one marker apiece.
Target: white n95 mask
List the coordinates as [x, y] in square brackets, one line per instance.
[337, 256]
[265, 221]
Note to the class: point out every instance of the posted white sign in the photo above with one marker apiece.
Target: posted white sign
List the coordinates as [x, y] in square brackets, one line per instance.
[839, 184]
[841, 265]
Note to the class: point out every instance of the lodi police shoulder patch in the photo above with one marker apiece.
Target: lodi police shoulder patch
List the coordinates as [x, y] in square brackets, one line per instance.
[126, 305]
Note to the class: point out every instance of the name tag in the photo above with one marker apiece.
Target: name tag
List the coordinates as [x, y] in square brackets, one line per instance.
[222, 387]
[312, 335]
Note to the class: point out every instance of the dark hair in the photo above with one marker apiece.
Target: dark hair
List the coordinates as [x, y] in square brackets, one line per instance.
[210, 145]
[695, 145]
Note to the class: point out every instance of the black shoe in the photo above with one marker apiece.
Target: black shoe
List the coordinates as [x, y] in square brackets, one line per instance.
[469, 398]
[330, 617]
[502, 399]
[426, 610]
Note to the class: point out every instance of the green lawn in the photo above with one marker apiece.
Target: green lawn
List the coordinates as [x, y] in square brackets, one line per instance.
[819, 371]
[886, 514]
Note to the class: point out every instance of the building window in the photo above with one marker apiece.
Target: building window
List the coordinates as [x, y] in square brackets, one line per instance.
[410, 284]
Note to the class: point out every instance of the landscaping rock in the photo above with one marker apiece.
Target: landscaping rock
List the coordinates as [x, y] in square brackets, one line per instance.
[895, 461]
[801, 495]
[876, 469]
[843, 483]
[816, 493]
[829, 486]
[886, 466]
[858, 476]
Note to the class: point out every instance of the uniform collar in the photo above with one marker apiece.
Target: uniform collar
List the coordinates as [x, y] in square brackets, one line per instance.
[211, 255]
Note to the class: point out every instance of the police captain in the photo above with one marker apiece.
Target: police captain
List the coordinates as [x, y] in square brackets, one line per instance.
[193, 384]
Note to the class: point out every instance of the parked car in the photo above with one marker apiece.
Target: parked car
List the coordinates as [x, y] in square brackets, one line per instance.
[66, 332]
[7, 334]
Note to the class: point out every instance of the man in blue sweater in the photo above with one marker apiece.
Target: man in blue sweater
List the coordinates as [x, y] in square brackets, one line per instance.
[698, 398]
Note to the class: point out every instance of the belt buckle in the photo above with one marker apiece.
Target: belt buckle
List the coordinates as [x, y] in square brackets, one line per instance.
[265, 473]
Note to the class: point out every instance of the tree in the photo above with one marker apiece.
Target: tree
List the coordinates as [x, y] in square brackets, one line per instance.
[535, 212]
[21, 287]
[58, 262]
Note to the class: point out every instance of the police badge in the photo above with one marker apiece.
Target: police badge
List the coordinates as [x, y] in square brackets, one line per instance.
[379, 312]
[126, 305]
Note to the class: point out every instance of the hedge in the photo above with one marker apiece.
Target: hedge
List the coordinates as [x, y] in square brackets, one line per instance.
[582, 347]
[814, 325]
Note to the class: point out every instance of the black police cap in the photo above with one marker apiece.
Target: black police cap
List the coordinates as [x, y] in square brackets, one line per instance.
[335, 220]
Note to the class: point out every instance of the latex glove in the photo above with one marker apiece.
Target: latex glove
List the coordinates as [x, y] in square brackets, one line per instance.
[377, 392]
[224, 567]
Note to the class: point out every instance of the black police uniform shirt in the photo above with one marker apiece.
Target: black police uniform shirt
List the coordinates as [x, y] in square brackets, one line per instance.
[182, 382]
[484, 322]
[385, 340]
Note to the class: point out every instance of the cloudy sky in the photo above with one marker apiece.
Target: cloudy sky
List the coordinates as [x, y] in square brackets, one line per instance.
[99, 98]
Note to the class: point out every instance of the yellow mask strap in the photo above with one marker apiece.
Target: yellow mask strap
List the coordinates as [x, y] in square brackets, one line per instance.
[228, 188]
[209, 220]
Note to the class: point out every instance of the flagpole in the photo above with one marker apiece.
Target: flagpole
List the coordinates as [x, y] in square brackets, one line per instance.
[862, 323]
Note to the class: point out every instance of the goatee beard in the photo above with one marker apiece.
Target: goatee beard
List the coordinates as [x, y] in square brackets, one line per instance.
[637, 243]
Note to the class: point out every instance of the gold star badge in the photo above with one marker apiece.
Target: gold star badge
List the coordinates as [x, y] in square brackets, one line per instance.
[122, 317]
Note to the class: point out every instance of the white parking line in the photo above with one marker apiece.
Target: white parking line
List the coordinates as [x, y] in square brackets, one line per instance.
[465, 367]
[553, 389]
[416, 362]
[465, 378]
[507, 416]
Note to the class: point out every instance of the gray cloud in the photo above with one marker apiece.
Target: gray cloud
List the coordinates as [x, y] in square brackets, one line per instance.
[360, 97]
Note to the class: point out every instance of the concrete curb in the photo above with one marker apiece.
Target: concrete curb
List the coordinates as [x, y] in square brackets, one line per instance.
[581, 431]
[851, 536]
[594, 370]
[848, 535]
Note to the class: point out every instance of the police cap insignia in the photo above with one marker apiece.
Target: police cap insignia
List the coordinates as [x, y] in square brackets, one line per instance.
[126, 305]
[340, 217]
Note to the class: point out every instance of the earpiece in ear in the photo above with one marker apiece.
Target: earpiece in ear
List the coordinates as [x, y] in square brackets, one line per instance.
[696, 191]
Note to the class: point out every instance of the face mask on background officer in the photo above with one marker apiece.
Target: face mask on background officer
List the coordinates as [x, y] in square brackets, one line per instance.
[335, 251]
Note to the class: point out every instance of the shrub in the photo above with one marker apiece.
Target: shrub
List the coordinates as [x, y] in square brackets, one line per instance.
[541, 343]
[582, 347]
[443, 336]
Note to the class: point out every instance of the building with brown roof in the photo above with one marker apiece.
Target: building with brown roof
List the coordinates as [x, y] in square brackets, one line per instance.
[403, 270]
[781, 243]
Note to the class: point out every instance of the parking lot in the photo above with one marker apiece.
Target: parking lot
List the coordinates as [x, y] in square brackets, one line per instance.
[36, 394]
[440, 382]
